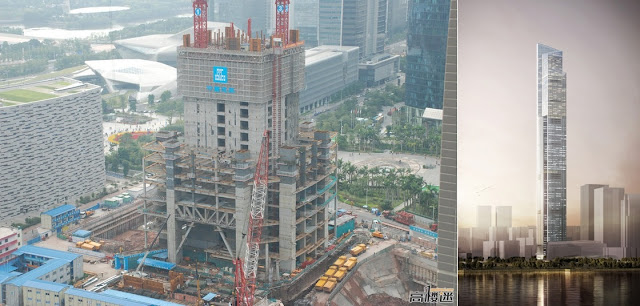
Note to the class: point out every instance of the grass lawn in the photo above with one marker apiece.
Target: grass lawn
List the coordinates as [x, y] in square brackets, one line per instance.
[40, 77]
[24, 95]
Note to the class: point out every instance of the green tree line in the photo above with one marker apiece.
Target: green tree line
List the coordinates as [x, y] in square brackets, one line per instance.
[383, 187]
[518, 263]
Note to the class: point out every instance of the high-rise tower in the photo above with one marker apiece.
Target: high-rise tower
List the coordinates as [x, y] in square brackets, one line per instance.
[426, 53]
[551, 148]
[234, 89]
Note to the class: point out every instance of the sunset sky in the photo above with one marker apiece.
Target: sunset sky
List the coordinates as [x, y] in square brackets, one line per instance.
[497, 41]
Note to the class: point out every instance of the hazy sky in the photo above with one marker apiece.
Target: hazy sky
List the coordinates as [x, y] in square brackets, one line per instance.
[497, 99]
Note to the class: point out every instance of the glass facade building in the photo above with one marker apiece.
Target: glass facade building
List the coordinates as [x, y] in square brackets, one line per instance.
[426, 53]
[305, 15]
[551, 148]
[330, 22]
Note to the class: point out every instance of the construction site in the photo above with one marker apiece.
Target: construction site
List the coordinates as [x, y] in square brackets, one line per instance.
[237, 209]
[241, 94]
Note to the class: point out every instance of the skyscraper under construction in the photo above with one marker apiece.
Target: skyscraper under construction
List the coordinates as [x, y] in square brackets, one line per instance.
[235, 85]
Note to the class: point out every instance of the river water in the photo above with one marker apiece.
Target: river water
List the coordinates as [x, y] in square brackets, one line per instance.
[550, 288]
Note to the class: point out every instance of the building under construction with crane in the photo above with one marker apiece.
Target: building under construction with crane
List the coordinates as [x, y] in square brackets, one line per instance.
[241, 92]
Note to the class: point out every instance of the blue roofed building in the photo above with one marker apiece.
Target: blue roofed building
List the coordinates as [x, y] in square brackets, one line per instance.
[73, 297]
[37, 292]
[32, 263]
[60, 216]
[137, 298]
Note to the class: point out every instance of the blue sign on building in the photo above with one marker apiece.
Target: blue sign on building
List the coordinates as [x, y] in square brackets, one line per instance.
[219, 74]
[423, 231]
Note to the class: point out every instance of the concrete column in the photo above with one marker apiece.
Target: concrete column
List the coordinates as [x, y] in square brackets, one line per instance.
[173, 234]
[287, 236]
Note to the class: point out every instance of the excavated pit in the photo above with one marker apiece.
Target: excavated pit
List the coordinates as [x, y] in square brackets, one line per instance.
[386, 278]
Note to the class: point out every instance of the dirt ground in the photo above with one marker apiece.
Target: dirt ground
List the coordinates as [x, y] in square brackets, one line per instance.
[383, 299]
[131, 242]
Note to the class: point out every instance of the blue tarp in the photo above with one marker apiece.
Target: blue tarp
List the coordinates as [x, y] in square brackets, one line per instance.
[82, 233]
[210, 296]
[157, 264]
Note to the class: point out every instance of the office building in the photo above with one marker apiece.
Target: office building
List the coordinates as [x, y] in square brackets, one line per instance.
[586, 210]
[503, 216]
[327, 71]
[379, 69]
[205, 181]
[607, 220]
[55, 219]
[330, 22]
[376, 27]
[581, 248]
[397, 16]
[573, 232]
[478, 236]
[31, 263]
[630, 218]
[360, 23]
[426, 53]
[483, 216]
[306, 17]
[464, 241]
[551, 148]
[354, 24]
[448, 201]
[51, 144]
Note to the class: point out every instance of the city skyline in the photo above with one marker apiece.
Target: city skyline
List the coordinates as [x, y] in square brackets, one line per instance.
[498, 90]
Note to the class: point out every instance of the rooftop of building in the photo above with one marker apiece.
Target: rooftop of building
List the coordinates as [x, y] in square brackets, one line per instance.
[379, 58]
[137, 298]
[104, 298]
[6, 231]
[156, 43]
[41, 90]
[134, 71]
[59, 210]
[432, 113]
[38, 272]
[45, 285]
[5, 276]
[48, 253]
[320, 53]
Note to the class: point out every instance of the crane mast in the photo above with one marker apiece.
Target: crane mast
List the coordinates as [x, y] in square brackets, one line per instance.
[247, 270]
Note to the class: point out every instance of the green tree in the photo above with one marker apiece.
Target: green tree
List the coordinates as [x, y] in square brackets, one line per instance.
[125, 168]
[151, 99]
[132, 105]
[386, 205]
[165, 96]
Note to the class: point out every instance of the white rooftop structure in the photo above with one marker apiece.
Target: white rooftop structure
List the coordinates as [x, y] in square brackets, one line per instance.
[432, 113]
[160, 47]
[148, 77]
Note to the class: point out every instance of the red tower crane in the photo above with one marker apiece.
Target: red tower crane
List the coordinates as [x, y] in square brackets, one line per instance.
[200, 33]
[246, 272]
[282, 20]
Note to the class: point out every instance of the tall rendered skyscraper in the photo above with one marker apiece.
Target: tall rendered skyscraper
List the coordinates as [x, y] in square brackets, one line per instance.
[551, 148]
[426, 53]
[448, 201]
